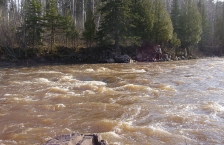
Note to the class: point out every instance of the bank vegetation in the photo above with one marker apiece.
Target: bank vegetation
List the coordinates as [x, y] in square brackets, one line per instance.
[90, 30]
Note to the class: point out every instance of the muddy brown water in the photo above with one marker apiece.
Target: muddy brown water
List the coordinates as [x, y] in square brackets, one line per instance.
[168, 103]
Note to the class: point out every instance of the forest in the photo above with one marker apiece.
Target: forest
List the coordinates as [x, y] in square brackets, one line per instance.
[63, 29]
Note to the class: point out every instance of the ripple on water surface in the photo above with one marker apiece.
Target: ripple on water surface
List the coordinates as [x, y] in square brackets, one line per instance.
[148, 103]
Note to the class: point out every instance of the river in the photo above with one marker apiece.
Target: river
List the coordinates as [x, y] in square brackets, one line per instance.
[172, 103]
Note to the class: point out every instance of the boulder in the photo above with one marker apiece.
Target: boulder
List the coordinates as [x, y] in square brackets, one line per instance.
[165, 57]
[146, 53]
[77, 139]
[122, 59]
[110, 60]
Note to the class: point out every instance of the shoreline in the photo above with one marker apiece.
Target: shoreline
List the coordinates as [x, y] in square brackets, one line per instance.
[39, 62]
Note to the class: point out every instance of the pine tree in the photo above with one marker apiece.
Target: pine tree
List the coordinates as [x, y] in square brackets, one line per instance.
[219, 29]
[53, 20]
[70, 30]
[90, 29]
[190, 22]
[175, 14]
[206, 30]
[114, 23]
[141, 20]
[162, 27]
[72, 33]
[33, 23]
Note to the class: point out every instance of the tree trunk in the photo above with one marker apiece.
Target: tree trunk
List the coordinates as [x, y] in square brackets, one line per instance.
[98, 18]
[75, 12]
[116, 29]
[83, 14]
[91, 4]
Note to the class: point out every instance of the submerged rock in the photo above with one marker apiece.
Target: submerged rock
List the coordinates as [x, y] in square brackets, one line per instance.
[77, 139]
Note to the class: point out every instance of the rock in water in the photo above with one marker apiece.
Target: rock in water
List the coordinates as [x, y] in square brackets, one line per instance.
[77, 139]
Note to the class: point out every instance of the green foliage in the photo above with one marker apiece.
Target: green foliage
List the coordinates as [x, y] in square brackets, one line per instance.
[219, 28]
[141, 20]
[115, 24]
[206, 29]
[90, 29]
[175, 41]
[53, 21]
[72, 33]
[33, 22]
[162, 27]
[175, 14]
[191, 24]
[69, 28]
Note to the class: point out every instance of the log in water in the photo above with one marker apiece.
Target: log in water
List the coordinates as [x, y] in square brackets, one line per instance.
[143, 103]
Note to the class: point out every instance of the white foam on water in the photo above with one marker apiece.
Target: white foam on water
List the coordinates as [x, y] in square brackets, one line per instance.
[112, 134]
[112, 101]
[134, 71]
[8, 142]
[42, 80]
[26, 99]
[55, 107]
[88, 85]
[60, 105]
[19, 83]
[159, 129]
[99, 83]
[132, 87]
[89, 92]
[163, 87]
[213, 107]
[182, 66]
[105, 90]
[48, 72]
[89, 70]
[73, 94]
[58, 90]
[157, 68]
[3, 99]
[10, 95]
[67, 78]
[130, 115]
[103, 70]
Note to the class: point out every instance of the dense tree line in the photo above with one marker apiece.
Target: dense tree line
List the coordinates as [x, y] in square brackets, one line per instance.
[31, 27]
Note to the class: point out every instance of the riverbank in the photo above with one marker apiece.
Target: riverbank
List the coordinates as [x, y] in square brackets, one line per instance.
[42, 61]
[66, 56]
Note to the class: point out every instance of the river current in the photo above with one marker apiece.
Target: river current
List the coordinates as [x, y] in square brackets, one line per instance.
[170, 103]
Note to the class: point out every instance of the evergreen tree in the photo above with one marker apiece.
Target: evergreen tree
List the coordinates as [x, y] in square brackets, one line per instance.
[219, 29]
[33, 22]
[70, 30]
[72, 34]
[141, 20]
[175, 14]
[162, 27]
[175, 17]
[90, 29]
[53, 20]
[114, 23]
[190, 22]
[206, 30]
[175, 41]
